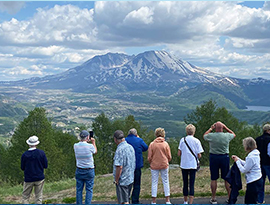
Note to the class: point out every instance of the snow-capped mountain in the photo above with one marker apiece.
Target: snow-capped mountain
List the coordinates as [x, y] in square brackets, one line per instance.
[155, 71]
[151, 70]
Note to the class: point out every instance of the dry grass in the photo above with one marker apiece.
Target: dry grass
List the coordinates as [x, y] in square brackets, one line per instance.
[104, 189]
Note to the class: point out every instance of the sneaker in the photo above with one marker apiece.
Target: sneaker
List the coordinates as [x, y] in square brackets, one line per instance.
[261, 203]
[168, 202]
[213, 201]
[227, 201]
[153, 203]
[185, 202]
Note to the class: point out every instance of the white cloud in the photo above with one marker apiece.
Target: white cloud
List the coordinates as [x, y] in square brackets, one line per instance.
[144, 15]
[266, 5]
[62, 37]
[61, 25]
[19, 70]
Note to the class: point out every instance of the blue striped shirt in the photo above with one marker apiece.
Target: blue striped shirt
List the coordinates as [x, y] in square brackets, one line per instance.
[84, 154]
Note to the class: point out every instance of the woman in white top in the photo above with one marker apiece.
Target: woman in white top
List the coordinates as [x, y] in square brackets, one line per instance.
[188, 161]
[252, 168]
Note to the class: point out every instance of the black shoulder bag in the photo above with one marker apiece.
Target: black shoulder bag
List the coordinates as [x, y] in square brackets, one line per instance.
[197, 160]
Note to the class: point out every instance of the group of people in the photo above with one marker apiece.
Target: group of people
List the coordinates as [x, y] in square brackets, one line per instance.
[128, 161]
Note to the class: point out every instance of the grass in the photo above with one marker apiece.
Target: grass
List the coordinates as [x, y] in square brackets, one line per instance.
[104, 190]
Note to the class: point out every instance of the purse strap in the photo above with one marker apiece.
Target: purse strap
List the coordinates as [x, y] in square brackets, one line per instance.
[191, 150]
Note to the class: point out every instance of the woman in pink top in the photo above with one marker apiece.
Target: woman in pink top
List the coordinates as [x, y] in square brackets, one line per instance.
[159, 155]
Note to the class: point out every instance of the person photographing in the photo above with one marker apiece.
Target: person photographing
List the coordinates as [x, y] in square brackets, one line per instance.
[85, 172]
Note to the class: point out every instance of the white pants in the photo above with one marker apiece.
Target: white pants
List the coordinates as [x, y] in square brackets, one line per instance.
[165, 180]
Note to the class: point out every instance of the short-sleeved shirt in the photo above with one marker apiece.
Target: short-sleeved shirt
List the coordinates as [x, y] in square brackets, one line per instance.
[84, 154]
[188, 161]
[219, 142]
[125, 157]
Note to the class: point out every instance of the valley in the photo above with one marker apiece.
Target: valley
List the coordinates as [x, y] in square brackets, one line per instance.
[68, 110]
[155, 86]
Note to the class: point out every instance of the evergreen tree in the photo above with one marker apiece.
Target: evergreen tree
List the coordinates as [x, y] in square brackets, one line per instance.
[209, 113]
[66, 142]
[104, 130]
[2, 156]
[35, 124]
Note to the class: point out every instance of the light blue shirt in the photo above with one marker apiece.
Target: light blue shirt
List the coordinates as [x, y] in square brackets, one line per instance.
[125, 157]
[84, 154]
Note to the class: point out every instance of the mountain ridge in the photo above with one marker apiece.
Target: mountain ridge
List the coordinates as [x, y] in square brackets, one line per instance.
[150, 71]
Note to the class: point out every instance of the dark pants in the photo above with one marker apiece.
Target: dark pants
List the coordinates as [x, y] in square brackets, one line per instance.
[136, 186]
[252, 191]
[192, 174]
[265, 172]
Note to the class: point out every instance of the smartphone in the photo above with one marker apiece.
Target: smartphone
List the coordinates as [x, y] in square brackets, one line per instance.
[91, 134]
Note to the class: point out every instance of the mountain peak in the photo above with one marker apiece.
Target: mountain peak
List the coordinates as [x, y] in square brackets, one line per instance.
[151, 70]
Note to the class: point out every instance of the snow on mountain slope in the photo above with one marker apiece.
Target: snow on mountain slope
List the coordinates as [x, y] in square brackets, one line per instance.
[151, 70]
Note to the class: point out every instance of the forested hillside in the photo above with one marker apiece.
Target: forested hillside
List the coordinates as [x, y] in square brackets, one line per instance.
[58, 146]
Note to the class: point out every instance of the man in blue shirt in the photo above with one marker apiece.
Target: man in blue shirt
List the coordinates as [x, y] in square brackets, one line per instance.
[139, 146]
[123, 167]
[33, 163]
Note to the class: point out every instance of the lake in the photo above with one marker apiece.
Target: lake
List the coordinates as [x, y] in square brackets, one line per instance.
[258, 108]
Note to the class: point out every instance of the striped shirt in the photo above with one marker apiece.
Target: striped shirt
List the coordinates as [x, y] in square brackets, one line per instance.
[84, 154]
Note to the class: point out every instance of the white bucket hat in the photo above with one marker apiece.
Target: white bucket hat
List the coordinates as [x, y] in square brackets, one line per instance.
[32, 141]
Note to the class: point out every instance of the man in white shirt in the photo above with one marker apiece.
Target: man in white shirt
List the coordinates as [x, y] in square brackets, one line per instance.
[85, 172]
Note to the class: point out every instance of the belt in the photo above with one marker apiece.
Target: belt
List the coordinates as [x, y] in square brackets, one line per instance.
[84, 168]
[219, 154]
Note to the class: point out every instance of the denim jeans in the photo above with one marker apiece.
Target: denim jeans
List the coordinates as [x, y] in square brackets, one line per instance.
[136, 186]
[84, 177]
[265, 172]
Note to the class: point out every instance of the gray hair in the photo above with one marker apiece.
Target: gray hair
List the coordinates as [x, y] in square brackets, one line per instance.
[132, 131]
[266, 127]
[190, 129]
[249, 144]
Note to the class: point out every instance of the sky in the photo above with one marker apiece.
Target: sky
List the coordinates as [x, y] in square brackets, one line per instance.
[39, 38]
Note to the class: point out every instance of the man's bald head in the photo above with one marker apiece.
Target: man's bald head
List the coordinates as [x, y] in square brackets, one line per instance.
[219, 126]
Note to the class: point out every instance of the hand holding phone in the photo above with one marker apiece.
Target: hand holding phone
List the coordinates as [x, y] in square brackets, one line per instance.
[91, 134]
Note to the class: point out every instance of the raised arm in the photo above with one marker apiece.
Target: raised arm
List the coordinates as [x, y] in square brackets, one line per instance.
[209, 130]
[93, 141]
[144, 146]
[228, 130]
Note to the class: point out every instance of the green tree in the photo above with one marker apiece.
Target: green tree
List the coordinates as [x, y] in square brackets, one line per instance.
[35, 124]
[2, 156]
[66, 142]
[174, 143]
[207, 114]
[104, 130]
